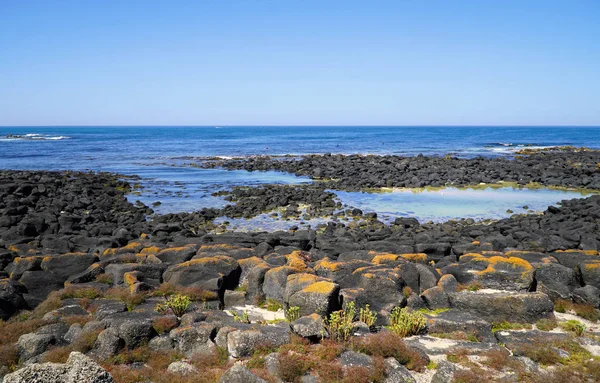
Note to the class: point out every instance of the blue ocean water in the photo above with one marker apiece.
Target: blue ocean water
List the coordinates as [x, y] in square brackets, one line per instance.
[161, 155]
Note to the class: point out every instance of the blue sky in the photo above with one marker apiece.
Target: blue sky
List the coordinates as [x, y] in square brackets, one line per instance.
[126, 62]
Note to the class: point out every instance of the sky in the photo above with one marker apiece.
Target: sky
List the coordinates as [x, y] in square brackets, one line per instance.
[130, 62]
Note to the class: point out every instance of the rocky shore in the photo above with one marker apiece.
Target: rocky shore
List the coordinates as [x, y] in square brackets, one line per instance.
[94, 288]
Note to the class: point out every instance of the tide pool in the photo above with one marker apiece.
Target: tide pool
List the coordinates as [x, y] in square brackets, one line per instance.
[453, 203]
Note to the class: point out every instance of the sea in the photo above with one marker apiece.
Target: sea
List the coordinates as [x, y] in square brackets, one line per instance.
[166, 157]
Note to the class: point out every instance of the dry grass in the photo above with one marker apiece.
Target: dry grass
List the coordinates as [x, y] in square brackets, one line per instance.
[386, 344]
[83, 344]
[195, 294]
[123, 294]
[164, 324]
[585, 311]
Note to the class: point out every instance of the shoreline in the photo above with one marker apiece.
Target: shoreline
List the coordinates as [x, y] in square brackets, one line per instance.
[75, 254]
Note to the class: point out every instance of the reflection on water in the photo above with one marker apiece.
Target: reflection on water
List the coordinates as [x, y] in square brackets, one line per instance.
[185, 189]
[452, 203]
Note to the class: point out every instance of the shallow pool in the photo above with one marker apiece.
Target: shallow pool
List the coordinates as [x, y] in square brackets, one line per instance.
[453, 203]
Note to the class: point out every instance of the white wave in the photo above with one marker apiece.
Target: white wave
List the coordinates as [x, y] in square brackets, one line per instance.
[33, 137]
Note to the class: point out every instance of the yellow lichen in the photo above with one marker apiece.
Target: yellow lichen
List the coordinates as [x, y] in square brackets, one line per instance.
[415, 257]
[591, 266]
[513, 262]
[144, 236]
[322, 287]
[384, 258]
[327, 264]
[150, 250]
[476, 243]
[590, 252]
[130, 278]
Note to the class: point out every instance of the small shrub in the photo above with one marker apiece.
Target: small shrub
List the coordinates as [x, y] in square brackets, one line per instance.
[387, 344]
[586, 311]
[292, 313]
[407, 291]
[339, 324]
[562, 306]
[123, 294]
[51, 303]
[458, 355]
[177, 304]
[273, 305]
[292, 367]
[80, 292]
[218, 358]
[9, 357]
[242, 318]
[404, 322]
[164, 324]
[195, 294]
[297, 344]
[544, 355]
[137, 355]
[466, 376]
[327, 350]
[104, 278]
[472, 286]
[366, 315]
[496, 359]
[574, 326]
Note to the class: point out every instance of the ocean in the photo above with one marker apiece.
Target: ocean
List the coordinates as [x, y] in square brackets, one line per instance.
[163, 156]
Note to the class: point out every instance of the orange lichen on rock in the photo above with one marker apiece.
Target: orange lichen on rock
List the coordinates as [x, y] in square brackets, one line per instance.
[328, 264]
[133, 247]
[130, 278]
[496, 263]
[415, 257]
[591, 265]
[384, 258]
[322, 287]
[475, 243]
[296, 261]
[150, 250]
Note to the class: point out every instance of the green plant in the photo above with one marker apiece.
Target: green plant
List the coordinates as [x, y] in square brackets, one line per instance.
[404, 322]
[243, 318]
[339, 324]
[104, 278]
[292, 313]
[502, 326]
[573, 326]
[273, 305]
[366, 315]
[177, 304]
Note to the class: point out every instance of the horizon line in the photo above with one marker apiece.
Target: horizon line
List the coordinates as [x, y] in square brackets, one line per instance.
[307, 125]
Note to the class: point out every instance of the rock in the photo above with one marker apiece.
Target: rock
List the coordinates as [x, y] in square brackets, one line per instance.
[194, 339]
[241, 343]
[590, 273]
[504, 306]
[320, 297]
[65, 311]
[240, 374]
[74, 332]
[181, 368]
[11, 298]
[79, 368]
[435, 298]
[275, 281]
[175, 255]
[310, 326]
[427, 277]
[136, 332]
[444, 373]
[494, 272]
[212, 273]
[152, 273]
[587, 295]
[350, 359]
[161, 343]
[34, 344]
[39, 284]
[397, 373]
[66, 265]
[518, 341]
[555, 280]
[452, 320]
[448, 283]
[108, 344]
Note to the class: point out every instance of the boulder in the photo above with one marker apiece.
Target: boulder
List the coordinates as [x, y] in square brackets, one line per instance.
[136, 332]
[194, 339]
[11, 298]
[241, 343]
[435, 298]
[211, 273]
[590, 273]
[310, 326]
[518, 341]
[66, 265]
[504, 306]
[79, 368]
[494, 272]
[320, 297]
[587, 295]
[555, 280]
[459, 321]
[238, 373]
[108, 343]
